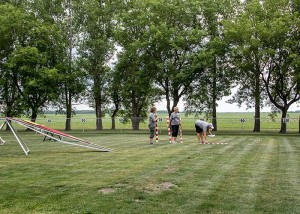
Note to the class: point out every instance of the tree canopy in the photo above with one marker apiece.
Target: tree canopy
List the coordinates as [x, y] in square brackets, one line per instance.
[121, 57]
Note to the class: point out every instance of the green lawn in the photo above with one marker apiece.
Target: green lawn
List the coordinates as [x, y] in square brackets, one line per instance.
[250, 174]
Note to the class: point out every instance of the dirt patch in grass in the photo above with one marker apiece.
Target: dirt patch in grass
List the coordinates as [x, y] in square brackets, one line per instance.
[166, 185]
[107, 190]
[157, 188]
[170, 169]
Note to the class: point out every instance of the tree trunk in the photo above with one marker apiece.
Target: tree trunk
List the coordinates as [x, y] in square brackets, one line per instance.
[113, 117]
[135, 117]
[33, 117]
[214, 116]
[257, 118]
[257, 101]
[68, 111]
[168, 98]
[214, 98]
[99, 124]
[135, 123]
[283, 123]
[98, 115]
[70, 56]
[113, 123]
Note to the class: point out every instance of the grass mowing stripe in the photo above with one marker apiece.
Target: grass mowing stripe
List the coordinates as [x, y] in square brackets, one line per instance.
[163, 174]
[273, 187]
[201, 180]
[289, 178]
[214, 180]
[253, 170]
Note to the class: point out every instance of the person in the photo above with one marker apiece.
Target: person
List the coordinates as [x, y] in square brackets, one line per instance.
[175, 123]
[152, 123]
[202, 127]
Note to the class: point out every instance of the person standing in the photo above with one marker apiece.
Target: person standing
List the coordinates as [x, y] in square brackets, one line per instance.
[202, 127]
[175, 123]
[152, 120]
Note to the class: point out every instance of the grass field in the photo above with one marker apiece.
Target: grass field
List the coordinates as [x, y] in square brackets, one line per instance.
[249, 174]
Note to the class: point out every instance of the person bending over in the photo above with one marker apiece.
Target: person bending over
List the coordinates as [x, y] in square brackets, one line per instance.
[202, 127]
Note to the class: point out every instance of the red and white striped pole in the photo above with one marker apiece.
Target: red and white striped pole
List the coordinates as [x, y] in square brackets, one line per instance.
[169, 129]
[156, 129]
[180, 131]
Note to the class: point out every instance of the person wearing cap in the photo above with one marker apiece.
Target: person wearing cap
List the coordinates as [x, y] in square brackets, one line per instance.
[202, 127]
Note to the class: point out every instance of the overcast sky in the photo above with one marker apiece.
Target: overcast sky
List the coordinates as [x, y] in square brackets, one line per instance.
[222, 107]
[226, 107]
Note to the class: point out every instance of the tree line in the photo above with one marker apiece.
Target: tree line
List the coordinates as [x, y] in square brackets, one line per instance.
[122, 56]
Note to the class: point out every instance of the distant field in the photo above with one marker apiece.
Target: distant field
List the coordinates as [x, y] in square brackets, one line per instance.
[245, 174]
[226, 122]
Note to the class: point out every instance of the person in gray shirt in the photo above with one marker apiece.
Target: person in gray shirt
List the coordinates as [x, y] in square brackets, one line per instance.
[175, 123]
[152, 120]
[202, 127]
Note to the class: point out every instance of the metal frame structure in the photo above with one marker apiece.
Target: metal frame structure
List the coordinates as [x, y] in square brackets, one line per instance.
[49, 133]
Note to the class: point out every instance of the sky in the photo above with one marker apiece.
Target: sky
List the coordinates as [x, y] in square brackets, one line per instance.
[222, 107]
[227, 107]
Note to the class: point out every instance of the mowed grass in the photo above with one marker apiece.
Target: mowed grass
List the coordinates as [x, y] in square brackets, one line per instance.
[249, 174]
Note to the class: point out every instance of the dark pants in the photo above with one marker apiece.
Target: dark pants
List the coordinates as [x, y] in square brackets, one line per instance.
[175, 129]
[198, 129]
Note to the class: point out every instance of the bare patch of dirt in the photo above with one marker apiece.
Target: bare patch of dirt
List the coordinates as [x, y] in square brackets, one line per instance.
[107, 190]
[157, 188]
[170, 169]
[167, 185]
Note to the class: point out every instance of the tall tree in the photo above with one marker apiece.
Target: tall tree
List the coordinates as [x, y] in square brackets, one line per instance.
[246, 54]
[172, 41]
[280, 36]
[139, 91]
[61, 13]
[272, 44]
[213, 61]
[31, 59]
[11, 21]
[96, 48]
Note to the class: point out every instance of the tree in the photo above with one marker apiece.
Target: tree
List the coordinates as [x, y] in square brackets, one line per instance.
[282, 55]
[11, 21]
[72, 84]
[35, 80]
[172, 41]
[29, 60]
[214, 68]
[138, 89]
[96, 48]
[243, 35]
[272, 46]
